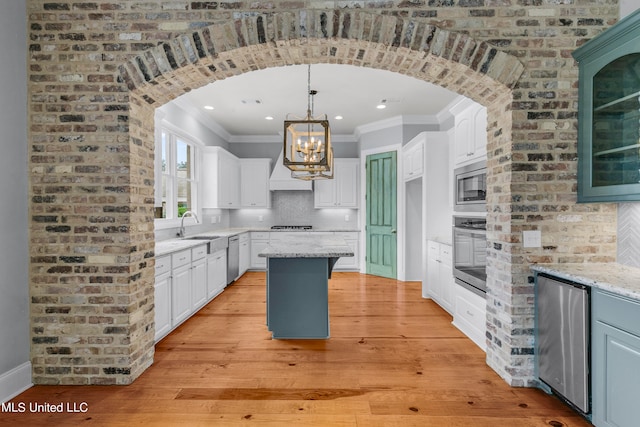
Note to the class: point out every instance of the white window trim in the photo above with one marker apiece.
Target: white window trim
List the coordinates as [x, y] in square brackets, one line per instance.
[161, 125]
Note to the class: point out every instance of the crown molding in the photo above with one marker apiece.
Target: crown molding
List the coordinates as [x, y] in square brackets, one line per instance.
[427, 120]
[394, 122]
[203, 119]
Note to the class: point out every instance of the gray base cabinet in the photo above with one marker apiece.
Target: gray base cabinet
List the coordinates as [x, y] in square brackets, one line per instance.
[615, 360]
[298, 298]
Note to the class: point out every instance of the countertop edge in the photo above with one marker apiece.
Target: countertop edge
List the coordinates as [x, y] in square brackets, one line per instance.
[597, 275]
[308, 247]
[328, 254]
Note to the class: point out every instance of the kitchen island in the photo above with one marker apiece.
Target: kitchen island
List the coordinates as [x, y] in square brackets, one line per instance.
[298, 273]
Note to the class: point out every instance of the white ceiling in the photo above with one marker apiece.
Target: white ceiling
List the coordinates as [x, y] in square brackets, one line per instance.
[242, 102]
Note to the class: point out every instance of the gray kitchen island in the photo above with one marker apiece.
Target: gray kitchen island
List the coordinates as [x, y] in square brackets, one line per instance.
[298, 273]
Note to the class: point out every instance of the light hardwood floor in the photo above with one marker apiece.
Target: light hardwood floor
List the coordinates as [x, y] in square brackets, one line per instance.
[393, 359]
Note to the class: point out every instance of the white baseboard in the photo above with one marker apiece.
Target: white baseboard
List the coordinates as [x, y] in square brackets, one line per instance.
[15, 381]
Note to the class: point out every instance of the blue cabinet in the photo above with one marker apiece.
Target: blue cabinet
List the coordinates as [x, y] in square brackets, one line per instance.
[298, 297]
[609, 114]
[615, 360]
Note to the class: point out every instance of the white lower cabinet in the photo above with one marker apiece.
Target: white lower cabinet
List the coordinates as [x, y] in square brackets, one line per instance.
[349, 263]
[470, 315]
[245, 253]
[259, 241]
[198, 277]
[216, 273]
[440, 283]
[184, 282]
[162, 297]
[181, 287]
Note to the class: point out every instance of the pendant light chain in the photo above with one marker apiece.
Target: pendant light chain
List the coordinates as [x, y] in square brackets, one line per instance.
[309, 96]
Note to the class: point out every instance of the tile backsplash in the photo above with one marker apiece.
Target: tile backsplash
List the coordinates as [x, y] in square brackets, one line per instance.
[629, 234]
[294, 208]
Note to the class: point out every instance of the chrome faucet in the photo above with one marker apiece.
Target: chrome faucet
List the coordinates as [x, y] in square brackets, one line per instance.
[191, 214]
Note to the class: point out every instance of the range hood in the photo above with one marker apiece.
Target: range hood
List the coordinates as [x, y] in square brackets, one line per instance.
[281, 178]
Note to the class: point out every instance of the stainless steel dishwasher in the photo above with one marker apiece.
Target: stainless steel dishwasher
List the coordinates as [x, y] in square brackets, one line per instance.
[563, 318]
[233, 259]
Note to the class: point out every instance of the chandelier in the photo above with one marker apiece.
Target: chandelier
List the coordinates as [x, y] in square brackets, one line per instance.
[307, 143]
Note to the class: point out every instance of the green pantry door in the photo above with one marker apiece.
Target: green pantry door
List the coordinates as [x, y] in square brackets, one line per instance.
[381, 214]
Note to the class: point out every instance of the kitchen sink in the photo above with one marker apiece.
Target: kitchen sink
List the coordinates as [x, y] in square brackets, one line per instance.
[214, 243]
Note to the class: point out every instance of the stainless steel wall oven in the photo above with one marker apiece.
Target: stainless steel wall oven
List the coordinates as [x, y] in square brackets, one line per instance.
[470, 253]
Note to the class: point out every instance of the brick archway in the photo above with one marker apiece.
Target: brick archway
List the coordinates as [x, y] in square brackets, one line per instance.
[117, 271]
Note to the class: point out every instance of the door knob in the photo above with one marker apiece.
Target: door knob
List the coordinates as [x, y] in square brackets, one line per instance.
[393, 231]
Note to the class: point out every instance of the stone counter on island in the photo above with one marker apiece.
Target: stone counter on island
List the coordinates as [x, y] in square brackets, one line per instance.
[298, 272]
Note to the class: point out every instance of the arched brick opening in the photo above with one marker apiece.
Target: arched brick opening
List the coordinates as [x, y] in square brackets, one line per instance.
[409, 46]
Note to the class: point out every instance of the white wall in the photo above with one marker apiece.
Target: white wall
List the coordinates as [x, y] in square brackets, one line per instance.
[15, 369]
[628, 6]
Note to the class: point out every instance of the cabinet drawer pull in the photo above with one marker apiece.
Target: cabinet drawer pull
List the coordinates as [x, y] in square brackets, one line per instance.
[469, 313]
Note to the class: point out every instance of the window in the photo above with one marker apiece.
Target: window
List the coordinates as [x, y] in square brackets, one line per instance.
[177, 175]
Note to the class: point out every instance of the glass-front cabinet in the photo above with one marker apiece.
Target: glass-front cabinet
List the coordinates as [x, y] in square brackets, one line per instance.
[609, 114]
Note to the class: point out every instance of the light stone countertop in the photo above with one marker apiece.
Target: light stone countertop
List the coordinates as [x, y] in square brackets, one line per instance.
[306, 246]
[613, 277]
[166, 247]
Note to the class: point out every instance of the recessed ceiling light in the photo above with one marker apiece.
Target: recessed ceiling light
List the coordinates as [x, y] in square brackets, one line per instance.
[338, 117]
[382, 105]
[268, 118]
[209, 107]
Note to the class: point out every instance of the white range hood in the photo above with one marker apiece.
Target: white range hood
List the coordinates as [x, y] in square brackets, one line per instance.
[281, 178]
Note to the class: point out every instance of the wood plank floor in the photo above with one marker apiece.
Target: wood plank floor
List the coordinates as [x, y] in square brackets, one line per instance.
[393, 359]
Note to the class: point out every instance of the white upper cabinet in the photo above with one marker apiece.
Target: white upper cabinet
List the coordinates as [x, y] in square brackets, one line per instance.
[220, 179]
[342, 190]
[254, 183]
[413, 158]
[470, 132]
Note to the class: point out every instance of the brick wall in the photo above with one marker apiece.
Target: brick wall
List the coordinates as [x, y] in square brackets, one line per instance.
[97, 69]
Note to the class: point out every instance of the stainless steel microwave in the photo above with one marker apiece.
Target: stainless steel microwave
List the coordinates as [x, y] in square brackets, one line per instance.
[470, 188]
